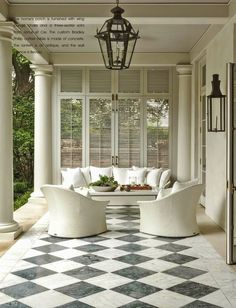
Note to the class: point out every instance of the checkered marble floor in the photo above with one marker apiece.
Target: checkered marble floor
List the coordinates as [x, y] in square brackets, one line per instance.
[119, 268]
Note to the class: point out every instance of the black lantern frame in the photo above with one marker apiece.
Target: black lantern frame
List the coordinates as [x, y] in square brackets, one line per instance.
[117, 40]
[216, 107]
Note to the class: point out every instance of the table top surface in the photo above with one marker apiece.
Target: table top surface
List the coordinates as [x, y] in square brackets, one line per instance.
[118, 193]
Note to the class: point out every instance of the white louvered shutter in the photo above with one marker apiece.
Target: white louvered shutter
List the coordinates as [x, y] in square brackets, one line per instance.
[71, 80]
[158, 81]
[129, 81]
[99, 81]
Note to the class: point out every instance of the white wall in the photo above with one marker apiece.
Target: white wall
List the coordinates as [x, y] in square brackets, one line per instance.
[218, 53]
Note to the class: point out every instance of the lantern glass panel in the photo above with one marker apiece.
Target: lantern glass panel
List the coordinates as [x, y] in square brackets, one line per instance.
[129, 53]
[216, 114]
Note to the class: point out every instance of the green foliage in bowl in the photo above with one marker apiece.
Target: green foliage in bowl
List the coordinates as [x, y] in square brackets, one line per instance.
[105, 181]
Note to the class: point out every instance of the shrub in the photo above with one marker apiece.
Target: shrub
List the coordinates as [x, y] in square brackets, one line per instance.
[20, 187]
[21, 200]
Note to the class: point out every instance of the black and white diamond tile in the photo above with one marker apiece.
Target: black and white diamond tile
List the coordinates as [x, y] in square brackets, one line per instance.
[120, 268]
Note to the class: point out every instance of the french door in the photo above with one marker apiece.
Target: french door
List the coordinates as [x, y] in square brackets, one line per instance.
[114, 132]
[100, 147]
[231, 167]
[114, 118]
[202, 124]
[128, 137]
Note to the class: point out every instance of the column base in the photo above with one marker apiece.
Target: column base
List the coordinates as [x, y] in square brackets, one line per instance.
[11, 236]
[9, 227]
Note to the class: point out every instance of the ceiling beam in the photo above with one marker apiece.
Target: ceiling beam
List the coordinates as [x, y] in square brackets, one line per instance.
[131, 10]
[3, 10]
[139, 59]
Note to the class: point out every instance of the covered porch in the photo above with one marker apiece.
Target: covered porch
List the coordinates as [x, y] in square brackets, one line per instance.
[86, 115]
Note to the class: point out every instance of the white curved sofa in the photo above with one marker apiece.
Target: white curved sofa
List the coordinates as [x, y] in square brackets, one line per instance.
[72, 215]
[173, 215]
[82, 177]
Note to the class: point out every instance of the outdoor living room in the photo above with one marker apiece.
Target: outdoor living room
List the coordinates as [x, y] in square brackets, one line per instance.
[117, 153]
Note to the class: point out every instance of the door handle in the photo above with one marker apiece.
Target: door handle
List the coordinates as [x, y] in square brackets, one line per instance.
[117, 160]
[231, 188]
[112, 160]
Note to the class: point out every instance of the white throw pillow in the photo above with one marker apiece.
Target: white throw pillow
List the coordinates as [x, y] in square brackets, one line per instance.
[70, 187]
[180, 185]
[165, 176]
[146, 168]
[83, 191]
[137, 176]
[96, 171]
[86, 174]
[121, 175]
[163, 193]
[153, 177]
[73, 176]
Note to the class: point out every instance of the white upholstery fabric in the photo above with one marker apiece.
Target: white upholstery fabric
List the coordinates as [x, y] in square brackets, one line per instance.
[72, 215]
[86, 174]
[180, 185]
[163, 193]
[137, 176]
[173, 215]
[73, 176]
[121, 175]
[165, 176]
[96, 171]
[82, 177]
[153, 177]
[83, 191]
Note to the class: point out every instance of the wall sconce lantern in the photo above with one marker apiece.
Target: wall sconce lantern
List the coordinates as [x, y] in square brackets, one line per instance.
[216, 107]
[117, 40]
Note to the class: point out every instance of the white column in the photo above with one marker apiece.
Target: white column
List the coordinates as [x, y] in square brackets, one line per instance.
[42, 129]
[184, 123]
[7, 224]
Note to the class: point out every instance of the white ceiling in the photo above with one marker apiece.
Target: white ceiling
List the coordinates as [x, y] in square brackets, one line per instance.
[121, 1]
[71, 36]
[76, 34]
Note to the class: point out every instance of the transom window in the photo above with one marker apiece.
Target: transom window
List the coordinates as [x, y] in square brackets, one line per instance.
[115, 118]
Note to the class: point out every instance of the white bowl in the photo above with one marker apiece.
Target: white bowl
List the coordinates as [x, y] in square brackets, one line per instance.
[103, 188]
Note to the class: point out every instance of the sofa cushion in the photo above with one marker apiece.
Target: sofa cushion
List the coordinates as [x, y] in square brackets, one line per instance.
[86, 174]
[73, 176]
[165, 176]
[137, 176]
[96, 171]
[83, 191]
[121, 175]
[163, 193]
[153, 177]
[181, 185]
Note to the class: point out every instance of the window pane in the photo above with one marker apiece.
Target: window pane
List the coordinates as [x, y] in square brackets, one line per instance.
[71, 133]
[100, 132]
[203, 75]
[129, 132]
[158, 133]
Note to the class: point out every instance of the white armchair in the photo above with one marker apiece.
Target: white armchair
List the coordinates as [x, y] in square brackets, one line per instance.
[71, 215]
[173, 215]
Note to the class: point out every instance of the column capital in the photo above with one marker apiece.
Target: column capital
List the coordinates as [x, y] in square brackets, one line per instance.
[184, 69]
[6, 30]
[42, 70]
